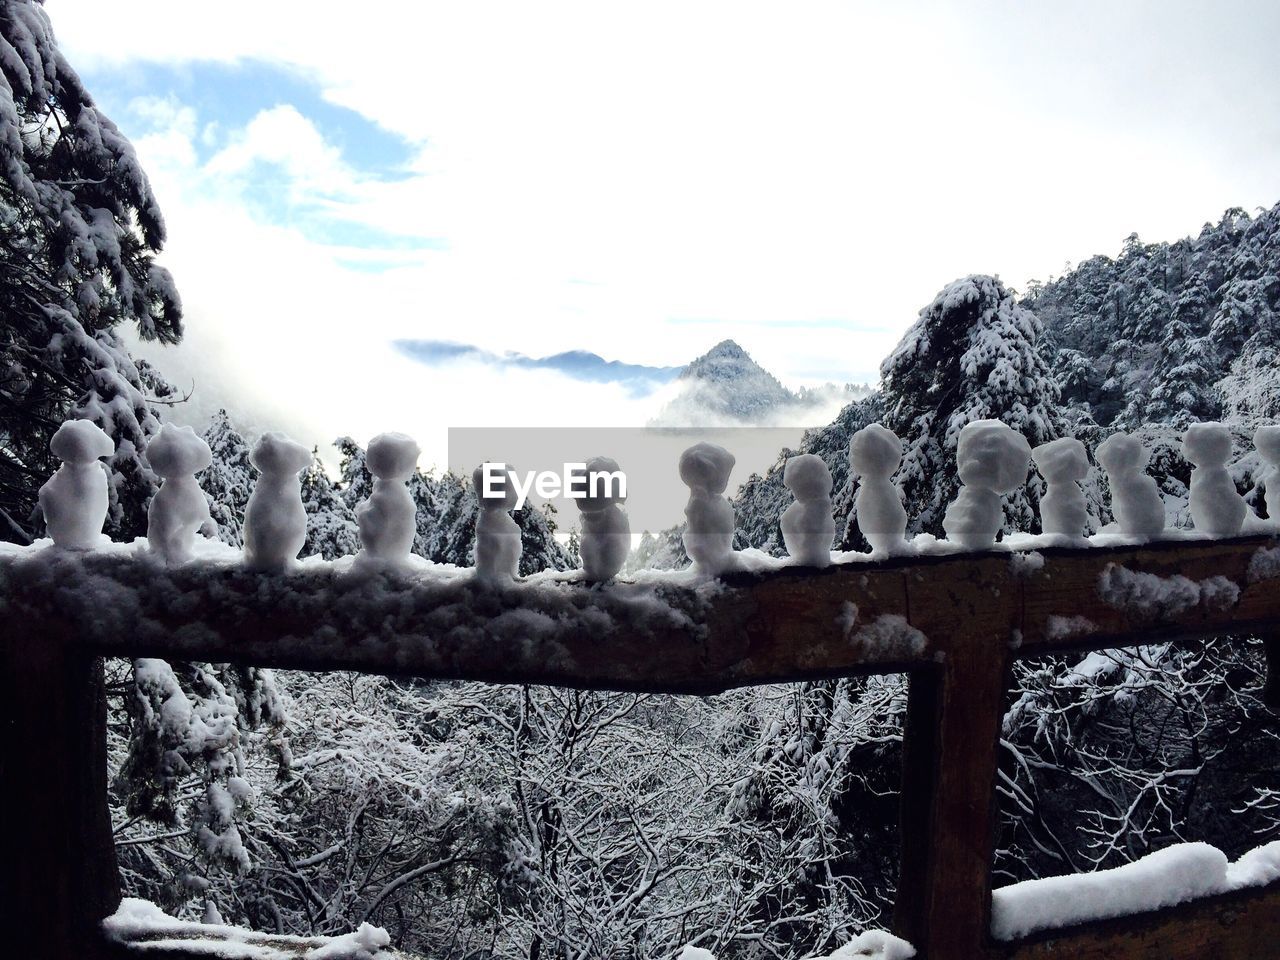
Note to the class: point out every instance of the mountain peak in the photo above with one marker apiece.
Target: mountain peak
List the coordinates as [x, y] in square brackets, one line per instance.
[725, 361]
[727, 350]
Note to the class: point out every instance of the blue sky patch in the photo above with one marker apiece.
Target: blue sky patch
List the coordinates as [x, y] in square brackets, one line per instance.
[230, 95]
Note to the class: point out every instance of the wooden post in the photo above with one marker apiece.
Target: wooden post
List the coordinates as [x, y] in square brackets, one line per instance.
[950, 754]
[58, 873]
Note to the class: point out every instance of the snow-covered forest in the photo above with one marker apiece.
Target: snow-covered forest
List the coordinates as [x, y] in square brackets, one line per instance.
[473, 820]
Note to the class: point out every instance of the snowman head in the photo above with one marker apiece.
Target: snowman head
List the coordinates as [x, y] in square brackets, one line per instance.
[80, 442]
[275, 454]
[177, 452]
[807, 477]
[1207, 444]
[599, 490]
[1267, 440]
[392, 456]
[504, 491]
[1061, 461]
[1121, 453]
[875, 451]
[705, 468]
[991, 455]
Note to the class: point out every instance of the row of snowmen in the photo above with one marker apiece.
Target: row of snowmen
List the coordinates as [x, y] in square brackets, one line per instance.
[993, 460]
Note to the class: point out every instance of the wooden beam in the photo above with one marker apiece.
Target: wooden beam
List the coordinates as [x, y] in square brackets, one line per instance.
[785, 625]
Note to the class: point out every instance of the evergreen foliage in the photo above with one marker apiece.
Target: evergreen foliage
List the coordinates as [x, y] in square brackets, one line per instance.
[79, 227]
[973, 354]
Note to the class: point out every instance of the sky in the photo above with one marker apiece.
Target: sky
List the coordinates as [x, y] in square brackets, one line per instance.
[514, 183]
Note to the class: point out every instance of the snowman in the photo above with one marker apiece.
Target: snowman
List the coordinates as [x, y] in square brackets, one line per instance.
[498, 545]
[179, 507]
[807, 525]
[1135, 499]
[875, 453]
[708, 535]
[992, 459]
[74, 500]
[386, 519]
[1063, 464]
[275, 521]
[606, 532]
[1216, 507]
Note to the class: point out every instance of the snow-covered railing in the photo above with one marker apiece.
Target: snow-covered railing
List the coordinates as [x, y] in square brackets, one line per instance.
[952, 615]
[954, 623]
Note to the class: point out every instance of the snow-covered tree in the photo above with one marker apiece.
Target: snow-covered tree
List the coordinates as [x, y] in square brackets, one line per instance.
[228, 480]
[1115, 754]
[79, 227]
[973, 354]
[821, 792]
[1184, 330]
[331, 521]
[184, 764]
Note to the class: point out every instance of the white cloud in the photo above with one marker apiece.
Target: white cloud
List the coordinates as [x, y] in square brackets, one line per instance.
[599, 170]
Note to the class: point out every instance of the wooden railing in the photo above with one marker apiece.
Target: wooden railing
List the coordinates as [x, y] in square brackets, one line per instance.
[954, 624]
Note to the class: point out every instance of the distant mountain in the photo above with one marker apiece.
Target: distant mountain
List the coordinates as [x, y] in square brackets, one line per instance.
[724, 388]
[639, 379]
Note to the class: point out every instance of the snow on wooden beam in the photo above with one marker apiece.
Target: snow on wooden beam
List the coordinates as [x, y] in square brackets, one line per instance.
[1244, 924]
[667, 633]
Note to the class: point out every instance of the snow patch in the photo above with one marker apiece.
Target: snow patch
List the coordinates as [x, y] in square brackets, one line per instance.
[148, 929]
[1025, 564]
[1150, 595]
[1264, 564]
[847, 618]
[363, 944]
[888, 635]
[868, 945]
[1059, 628]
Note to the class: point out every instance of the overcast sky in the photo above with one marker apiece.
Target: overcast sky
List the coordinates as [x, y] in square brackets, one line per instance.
[642, 180]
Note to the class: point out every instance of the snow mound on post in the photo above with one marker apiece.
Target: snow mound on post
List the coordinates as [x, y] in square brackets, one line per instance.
[1162, 879]
[364, 944]
[1166, 878]
[1256, 868]
[874, 945]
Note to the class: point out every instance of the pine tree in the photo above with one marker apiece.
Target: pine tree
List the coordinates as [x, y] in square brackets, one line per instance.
[355, 482]
[331, 523]
[973, 354]
[1189, 330]
[79, 227]
[228, 481]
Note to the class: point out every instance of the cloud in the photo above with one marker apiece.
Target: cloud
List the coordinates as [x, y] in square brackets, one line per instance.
[545, 178]
[291, 331]
[638, 379]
